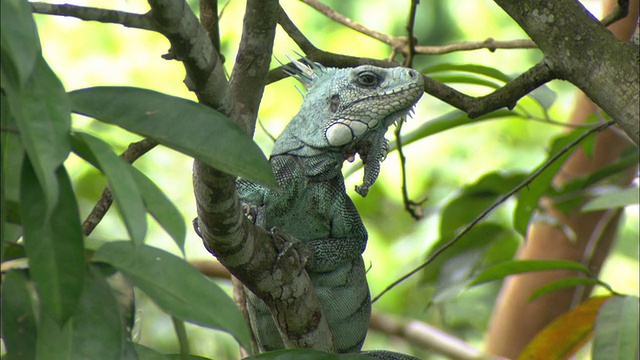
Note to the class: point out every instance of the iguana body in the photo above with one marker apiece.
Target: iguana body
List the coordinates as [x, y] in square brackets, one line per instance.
[345, 111]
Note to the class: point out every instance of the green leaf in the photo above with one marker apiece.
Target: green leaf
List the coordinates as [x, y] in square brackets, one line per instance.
[95, 331]
[122, 182]
[306, 354]
[613, 199]
[177, 287]
[11, 159]
[18, 319]
[191, 128]
[20, 43]
[465, 79]
[42, 116]
[529, 197]
[453, 271]
[161, 208]
[53, 244]
[628, 159]
[448, 121]
[146, 353]
[616, 330]
[514, 267]
[472, 68]
[562, 284]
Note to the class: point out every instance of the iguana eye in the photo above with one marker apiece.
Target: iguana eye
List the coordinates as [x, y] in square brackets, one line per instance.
[368, 78]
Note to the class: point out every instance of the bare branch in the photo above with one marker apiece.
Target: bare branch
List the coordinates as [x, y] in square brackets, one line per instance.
[336, 16]
[495, 204]
[318, 55]
[411, 44]
[133, 152]
[413, 207]
[404, 45]
[137, 21]
[490, 44]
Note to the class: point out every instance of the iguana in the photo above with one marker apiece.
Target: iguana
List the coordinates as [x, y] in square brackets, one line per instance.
[344, 112]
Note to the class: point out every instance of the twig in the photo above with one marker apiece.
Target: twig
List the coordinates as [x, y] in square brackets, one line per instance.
[413, 207]
[495, 204]
[337, 17]
[317, 55]
[620, 11]
[133, 152]
[489, 44]
[411, 45]
[137, 21]
[404, 45]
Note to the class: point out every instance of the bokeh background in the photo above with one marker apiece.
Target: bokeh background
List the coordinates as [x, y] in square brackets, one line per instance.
[86, 54]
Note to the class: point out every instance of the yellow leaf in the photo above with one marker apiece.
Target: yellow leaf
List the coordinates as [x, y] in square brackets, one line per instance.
[564, 336]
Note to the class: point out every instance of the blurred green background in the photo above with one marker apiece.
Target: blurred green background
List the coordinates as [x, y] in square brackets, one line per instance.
[85, 54]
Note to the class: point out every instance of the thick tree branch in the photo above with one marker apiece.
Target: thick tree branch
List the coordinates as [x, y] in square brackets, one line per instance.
[249, 75]
[579, 49]
[191, 44]
[137, 21]
[250, 253]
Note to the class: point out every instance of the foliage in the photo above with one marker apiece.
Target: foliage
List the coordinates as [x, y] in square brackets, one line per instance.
[64, 300]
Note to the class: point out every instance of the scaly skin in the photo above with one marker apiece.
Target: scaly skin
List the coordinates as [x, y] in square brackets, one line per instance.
[345, 111]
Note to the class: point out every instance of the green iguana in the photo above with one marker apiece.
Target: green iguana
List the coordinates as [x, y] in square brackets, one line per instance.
[345, 111]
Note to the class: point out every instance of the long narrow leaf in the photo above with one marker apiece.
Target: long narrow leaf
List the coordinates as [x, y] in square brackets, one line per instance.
[18, 319]
[177, 287]
[562, 284]
[471, 68]
[529, 197]
[183, 125]
[161, 208]
[53, 244]
[121, 182]
[95, 331]
[616, 332]
[20, 41]
[566, 335]
[514, 267]
[42, 115]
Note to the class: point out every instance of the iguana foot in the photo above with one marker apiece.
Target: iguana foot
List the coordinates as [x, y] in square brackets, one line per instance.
[289, 248]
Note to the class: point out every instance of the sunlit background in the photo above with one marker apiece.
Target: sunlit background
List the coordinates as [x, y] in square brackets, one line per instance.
[86, 54]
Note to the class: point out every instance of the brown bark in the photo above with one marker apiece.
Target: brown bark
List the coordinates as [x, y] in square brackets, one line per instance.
[516, 321]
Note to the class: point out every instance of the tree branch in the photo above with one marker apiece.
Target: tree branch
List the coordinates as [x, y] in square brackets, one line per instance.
[403, 45]
[250, 70]
[137, 21]
[250, 253]
[581, 50]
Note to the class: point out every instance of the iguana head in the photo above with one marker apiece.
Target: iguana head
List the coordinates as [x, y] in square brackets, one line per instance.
[348, 111]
